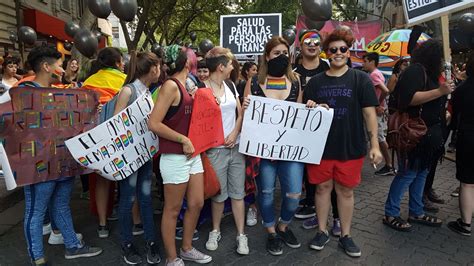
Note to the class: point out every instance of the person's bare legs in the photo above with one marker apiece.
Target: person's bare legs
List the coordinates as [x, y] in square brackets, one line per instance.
[386, 153]
[217, 209]
[345, 204]
[238, 210]
[466, 202]
[195, 201]
[323, 203]
[102, 198]
[174, 194]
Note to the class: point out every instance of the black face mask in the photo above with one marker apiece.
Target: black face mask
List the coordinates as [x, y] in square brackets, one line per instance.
[277, 66]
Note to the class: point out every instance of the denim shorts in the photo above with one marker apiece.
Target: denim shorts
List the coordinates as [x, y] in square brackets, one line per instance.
[176, 168]
[229, 165]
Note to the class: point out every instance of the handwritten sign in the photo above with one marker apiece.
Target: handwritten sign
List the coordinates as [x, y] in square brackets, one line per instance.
[247, 34]
[281, 130]
[119, 146]
[205, 130]
[34, 126]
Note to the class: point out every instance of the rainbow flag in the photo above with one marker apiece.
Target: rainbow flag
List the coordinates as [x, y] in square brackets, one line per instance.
[276, 84]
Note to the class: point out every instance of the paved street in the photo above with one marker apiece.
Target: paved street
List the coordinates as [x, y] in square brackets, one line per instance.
[379, 244]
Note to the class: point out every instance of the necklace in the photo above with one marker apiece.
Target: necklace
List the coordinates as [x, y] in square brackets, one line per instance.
[218, 99]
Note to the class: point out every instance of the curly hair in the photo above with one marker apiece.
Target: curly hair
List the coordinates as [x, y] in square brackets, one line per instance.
[430, 55]
[339, 34]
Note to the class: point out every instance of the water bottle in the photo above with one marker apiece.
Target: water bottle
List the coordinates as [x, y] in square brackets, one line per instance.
[447, 71]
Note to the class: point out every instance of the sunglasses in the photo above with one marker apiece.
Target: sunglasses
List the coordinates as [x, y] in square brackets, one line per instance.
[310, 41]
[343, 49]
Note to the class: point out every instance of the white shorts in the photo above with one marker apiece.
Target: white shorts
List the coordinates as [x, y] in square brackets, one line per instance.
[176, 168]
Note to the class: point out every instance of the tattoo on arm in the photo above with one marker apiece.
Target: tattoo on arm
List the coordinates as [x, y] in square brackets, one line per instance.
[179, 139]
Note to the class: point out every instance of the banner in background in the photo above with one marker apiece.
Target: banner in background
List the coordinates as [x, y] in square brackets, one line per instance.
[119, 146]
[281, 130]
[247, 34]
[34, 126]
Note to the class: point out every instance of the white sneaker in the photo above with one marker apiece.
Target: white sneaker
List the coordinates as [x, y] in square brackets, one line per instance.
[46, 229]
[214, 238]
[242, 245]
[251, 217]
[57, 239]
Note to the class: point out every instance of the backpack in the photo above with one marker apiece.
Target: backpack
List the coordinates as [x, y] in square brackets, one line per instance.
[109, 107]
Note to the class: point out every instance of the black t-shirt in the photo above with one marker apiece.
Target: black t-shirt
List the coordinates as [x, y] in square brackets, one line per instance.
[307, 74]
[347, 94]
[463, 110]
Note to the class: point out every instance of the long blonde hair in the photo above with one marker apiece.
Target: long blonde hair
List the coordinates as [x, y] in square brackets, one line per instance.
[263, 68]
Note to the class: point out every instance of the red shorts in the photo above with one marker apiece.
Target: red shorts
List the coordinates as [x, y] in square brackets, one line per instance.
[346, 173]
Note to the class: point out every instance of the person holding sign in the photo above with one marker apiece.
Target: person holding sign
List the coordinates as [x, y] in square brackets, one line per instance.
[144, 70]
[351, 94]
[226, 160]
[276, 80]
[182, 174]
[55, 194]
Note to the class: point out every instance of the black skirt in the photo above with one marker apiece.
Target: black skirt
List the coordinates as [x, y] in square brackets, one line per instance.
[465, 155]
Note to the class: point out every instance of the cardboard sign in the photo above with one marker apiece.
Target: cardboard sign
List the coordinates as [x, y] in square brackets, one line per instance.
[34, 126]
[205, 130]
[281, 130]
[418, 11]
[247, 34]
[119, 146]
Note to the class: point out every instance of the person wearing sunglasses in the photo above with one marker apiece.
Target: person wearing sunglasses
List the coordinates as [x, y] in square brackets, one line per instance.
[352, 96]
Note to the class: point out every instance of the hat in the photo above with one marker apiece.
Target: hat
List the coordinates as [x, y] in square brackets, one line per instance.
[305, 34]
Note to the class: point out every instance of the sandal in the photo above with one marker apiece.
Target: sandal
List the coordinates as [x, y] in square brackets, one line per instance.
[426, 219]
[398, 224]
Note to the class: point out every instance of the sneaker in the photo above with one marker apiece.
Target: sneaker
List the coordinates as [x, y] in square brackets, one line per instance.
[433, 197]
[103, 231]
[46, 229]
[311, 223]
[302, 202]
[386, 170]
[251, 217]
[85, 195]
[274, 244]
[319, 241]
[349, 246]
[113, 216]
[460, 227]
[242, 245]
[130, 255]
[175, 262]
[213, 241]
[455, 193]
[40, 262]
[137, 229]
[195, 255]
[180, 232]
[336, 227]
[305, 212]
[83, 252]
[288, 237]
[152, 253]
[428, 206]
[57, 239]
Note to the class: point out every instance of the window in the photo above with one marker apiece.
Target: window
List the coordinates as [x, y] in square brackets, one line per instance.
[66, 5]
[81, 7]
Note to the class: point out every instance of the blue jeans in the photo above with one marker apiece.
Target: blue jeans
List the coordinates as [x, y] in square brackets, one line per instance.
[57, 195]
[414, 181]
[136, 185]
[291, 178]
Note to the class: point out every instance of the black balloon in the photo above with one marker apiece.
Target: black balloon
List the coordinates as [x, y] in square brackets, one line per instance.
[193, 36]
[67, 46]
[205, 45]
[289, 36]
[99, 8]
[293, 27]
[317, 25]
[13, 37]
[124, 9]
[27, 35]
[86, 43]
[317, 10]
[71, 28]
[156, 49]
[466, 22]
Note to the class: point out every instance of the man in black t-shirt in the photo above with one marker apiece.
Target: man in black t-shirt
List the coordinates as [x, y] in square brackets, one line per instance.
[352, 96]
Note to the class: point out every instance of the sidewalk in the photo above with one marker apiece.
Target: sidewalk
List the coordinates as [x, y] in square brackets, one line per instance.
[379, 244]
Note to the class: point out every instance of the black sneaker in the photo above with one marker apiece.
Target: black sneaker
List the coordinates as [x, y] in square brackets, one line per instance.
[386, 170]
[131, 255]
[434, 197]
[319, 241]
[305, 212]
[137, 229]
[455, 192]
[349, 246]
[274, 244]
[152, 253]
[460, 227]
[288, 237]
[83, 252]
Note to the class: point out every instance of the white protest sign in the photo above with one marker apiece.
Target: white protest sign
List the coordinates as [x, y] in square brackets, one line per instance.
[119, 146]
[7, 171]
[281, 130]
[418, 11]
[247, 34]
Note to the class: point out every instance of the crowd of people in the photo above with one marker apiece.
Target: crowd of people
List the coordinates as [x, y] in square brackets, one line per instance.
[357, 134]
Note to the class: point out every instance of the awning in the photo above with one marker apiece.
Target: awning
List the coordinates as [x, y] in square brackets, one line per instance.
[45, 24]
